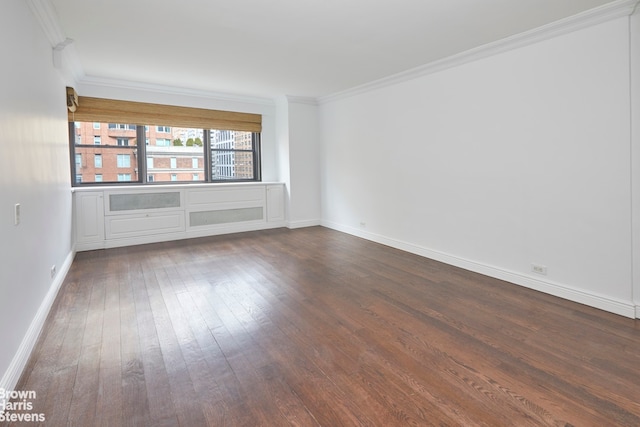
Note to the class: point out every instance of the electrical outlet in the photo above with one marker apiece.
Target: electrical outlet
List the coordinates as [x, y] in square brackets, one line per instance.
[53, 271]
[539, 269]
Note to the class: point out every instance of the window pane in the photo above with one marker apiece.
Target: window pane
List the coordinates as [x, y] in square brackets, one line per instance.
[123, 160]
[174, 154]
[103, 159]
[232, 155]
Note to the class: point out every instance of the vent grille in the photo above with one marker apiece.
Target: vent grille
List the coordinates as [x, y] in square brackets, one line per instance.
[225, 216]
[131, 202]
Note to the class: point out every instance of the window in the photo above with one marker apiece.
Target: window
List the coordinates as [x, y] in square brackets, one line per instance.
[124, 161]
[129, 140]
[78, 178]
[233, 155]
[120, 126]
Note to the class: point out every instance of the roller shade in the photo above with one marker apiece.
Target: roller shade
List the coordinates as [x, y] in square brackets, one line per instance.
[141, 113]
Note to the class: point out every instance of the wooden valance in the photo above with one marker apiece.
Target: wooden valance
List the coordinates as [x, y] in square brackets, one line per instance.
[141, 113]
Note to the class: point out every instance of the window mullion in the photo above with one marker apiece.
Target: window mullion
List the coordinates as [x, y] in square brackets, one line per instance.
[206, 146]
[142, 153]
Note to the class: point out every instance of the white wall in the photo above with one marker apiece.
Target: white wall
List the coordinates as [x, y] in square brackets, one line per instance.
[517, 158]
[635, 150]
[282, 143]
[34, 171]
[304, 153]
[298, 159]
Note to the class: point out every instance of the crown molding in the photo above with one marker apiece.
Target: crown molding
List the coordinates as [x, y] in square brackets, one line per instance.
[46, 16]
[598, 15]
[173, 90]
[302, 100]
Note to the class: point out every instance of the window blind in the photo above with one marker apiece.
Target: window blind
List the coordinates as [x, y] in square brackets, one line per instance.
[141, 113]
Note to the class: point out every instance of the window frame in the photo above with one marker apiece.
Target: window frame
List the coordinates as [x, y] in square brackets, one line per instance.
[140, 163]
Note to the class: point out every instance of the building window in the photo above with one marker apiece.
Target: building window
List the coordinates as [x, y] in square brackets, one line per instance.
[78, 161]
[123, 161]
[149, 162]
[122, 142]
[97, 160]
[195, 177]
[97, 140]
[163, 129]
[78, 178]
[120, 126]
[150, 178]
[122, 177]
[174, 177]
[174, 163]
[98, 177]
[96, 125]
[163, 142]
[194, 163]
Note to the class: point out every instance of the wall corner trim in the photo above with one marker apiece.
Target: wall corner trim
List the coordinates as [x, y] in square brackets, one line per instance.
[598, 15]
[11, 377]
[45, 14]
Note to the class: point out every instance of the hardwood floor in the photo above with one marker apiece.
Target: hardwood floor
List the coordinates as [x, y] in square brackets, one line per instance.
[314, 327]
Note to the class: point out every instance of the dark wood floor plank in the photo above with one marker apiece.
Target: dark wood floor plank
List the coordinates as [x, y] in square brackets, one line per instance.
[161, 408]
[169, 320]
[313, 327]
[109, 399]
[135, 411]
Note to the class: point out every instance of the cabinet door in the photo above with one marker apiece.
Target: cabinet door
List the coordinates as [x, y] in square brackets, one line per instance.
[89, 217]
[119, 226]
[275, 203]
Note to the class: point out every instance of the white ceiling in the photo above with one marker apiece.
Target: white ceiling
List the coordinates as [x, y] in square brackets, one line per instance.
[308, 48]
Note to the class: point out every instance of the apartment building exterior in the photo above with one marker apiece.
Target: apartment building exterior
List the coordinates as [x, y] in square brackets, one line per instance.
[108, 152]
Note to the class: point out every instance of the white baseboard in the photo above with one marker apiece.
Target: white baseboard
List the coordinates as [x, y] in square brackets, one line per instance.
[602, 302]
[302, 224]
[12, 375]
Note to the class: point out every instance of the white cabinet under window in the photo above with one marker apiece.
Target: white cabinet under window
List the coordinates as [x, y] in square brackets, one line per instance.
[89, 220]
[275, 203]
[112, 217]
